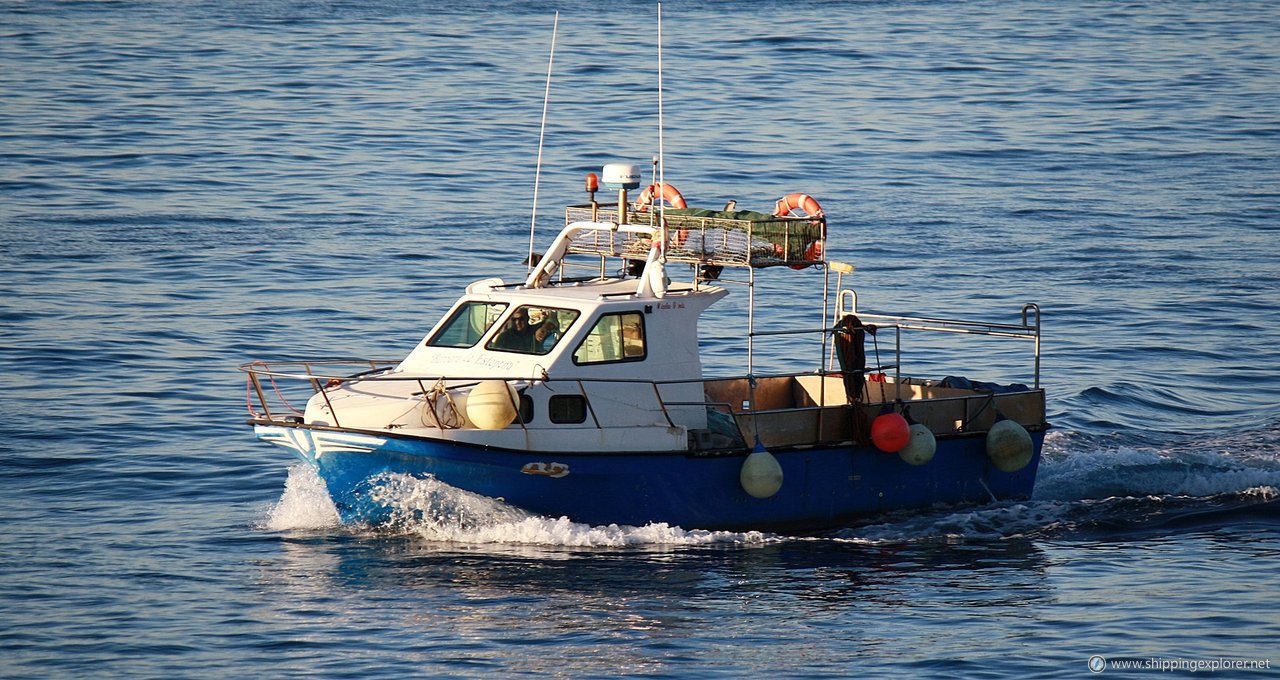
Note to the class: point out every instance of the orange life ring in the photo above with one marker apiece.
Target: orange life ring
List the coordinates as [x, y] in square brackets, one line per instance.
[813, 253]
[670, 194]
[798, 201]
[679, 237]
[808, 204]
[673, 197]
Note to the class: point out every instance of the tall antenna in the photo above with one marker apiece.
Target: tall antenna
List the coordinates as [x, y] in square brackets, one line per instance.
[662, 175]
[537, 173]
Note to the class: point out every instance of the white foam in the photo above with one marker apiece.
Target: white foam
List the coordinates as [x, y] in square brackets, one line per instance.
[987, 523]
[439, 512]
[305, 503]
[1074, 467]
[1261, 493]
[1088, 481]
[563, 532]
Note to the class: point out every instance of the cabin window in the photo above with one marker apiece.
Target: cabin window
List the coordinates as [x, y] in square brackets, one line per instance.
[533, 330]
[567, 408]
[526, 409]
[468, 324]
[615, 337]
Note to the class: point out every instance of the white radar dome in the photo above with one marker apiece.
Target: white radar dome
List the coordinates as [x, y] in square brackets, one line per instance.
[621, 176]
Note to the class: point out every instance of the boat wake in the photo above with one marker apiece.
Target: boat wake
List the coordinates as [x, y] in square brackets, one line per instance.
[1089, 487]
[438, 512]
[1077, 466]
[434, 511]
[304, 505]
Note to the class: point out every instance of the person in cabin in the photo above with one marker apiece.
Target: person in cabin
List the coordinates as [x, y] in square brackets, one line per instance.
[521, 335]
[548, 333]
[632, 340]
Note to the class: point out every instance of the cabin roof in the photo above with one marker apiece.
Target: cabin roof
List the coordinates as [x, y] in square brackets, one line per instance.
[597, 292]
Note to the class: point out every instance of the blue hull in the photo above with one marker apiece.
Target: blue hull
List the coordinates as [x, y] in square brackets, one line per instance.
[822, 487]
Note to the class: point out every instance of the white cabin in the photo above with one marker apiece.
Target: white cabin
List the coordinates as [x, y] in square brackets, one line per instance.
[610, 364]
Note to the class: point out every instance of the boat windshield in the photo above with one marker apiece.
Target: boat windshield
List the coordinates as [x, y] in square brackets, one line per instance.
[533, 330]
[467, 325]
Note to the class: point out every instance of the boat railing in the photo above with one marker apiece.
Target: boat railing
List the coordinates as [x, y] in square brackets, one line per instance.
[784, 408]
[270, 386]
[705, 238]
[1027, 329]
[265, 382]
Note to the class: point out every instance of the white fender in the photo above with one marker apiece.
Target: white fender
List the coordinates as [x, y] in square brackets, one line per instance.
[761, 475]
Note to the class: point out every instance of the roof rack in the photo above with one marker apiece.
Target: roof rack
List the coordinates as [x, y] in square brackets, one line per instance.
[724, 239]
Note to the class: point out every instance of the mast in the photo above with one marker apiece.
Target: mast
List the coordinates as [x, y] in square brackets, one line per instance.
[662, 178]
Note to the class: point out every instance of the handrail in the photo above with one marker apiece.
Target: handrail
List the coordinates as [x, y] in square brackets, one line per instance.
[1027, 330]
[320, 382]
[847, 303]
[314, 371]
[257, 370]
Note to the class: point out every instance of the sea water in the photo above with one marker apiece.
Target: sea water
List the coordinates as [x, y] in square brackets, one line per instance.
[185, 187]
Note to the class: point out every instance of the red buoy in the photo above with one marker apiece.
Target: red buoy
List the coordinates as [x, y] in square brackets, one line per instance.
[890, 432]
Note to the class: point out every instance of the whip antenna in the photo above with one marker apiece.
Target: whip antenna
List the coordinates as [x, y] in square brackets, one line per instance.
[662, 175]
[537, 173]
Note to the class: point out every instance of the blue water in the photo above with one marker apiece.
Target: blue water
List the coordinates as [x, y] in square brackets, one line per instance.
[188, 186]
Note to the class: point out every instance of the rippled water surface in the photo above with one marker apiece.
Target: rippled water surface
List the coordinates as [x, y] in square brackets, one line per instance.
[185, 187]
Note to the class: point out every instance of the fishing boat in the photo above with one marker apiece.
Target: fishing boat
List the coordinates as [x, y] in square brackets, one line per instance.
[576, 389]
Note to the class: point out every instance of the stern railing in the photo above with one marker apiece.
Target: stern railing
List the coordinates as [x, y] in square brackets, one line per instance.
[1028, 329]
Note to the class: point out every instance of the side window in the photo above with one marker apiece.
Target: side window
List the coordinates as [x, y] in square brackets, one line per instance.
[567, 409]
[468, 324]
[526, 409]
[533, 330]
[615, 337]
